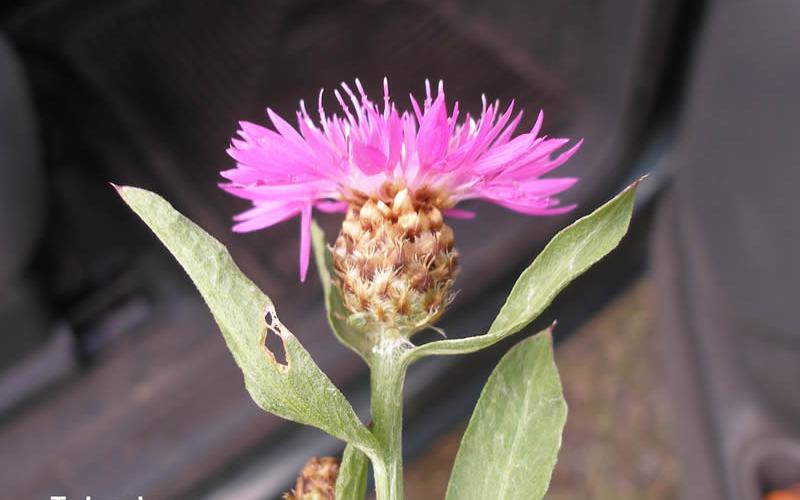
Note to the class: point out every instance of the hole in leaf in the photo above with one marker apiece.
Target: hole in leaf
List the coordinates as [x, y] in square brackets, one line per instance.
[272, 338]
[274, 344]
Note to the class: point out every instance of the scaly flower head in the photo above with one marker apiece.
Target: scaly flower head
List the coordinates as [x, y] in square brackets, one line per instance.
[396, 175]
[317, 480]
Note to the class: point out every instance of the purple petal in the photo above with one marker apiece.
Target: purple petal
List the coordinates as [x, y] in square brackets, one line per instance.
[458, 213]
[369, 159]
[433, 134]
[286, 170]
[537, 210]
[260, 217]
[331, 207]
[287, 131]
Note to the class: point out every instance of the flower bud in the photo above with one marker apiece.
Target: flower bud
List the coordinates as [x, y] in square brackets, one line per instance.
[317, 481]
[395, 262]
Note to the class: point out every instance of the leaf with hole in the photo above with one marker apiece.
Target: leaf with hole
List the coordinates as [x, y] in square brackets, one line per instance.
[568, 255]
[511, 444]
[297, 390]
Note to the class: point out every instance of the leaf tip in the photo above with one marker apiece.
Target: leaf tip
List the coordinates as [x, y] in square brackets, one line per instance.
[635, 184]
[548, 332]
[123, 191]
[119, 189]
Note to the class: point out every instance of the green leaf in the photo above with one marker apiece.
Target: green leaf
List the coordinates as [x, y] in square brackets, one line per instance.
[352, 481]
[511, 444]
[357, 340]
[297, 390]
[571, 252]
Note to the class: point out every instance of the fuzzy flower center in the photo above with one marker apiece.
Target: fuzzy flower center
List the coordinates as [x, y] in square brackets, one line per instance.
[394, 259]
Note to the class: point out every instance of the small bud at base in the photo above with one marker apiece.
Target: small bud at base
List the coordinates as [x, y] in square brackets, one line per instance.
[317, 481]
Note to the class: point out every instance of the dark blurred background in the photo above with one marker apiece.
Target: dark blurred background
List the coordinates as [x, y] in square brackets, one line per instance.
[113, 379]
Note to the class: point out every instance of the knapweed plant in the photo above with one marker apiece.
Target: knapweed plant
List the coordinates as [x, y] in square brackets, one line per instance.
[390, 273]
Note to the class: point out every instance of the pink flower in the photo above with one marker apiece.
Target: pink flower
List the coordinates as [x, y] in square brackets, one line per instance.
[286, 172]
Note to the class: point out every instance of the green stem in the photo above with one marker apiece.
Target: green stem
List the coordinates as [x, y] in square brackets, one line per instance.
[388, 371]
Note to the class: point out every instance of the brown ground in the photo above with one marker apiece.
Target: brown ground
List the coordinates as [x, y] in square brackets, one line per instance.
[616, 443]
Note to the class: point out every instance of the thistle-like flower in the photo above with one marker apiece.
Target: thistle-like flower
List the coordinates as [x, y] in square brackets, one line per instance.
[317, 480]
[397, 176]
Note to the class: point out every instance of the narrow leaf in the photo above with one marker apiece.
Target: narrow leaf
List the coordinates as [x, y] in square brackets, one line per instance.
[511, 444]
[352, 481]
[297, 390]
[568, 255]
[348, 335]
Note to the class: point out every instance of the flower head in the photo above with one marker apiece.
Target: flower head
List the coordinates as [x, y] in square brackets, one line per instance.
[317, 480]
[396, 175]
[343, 160]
